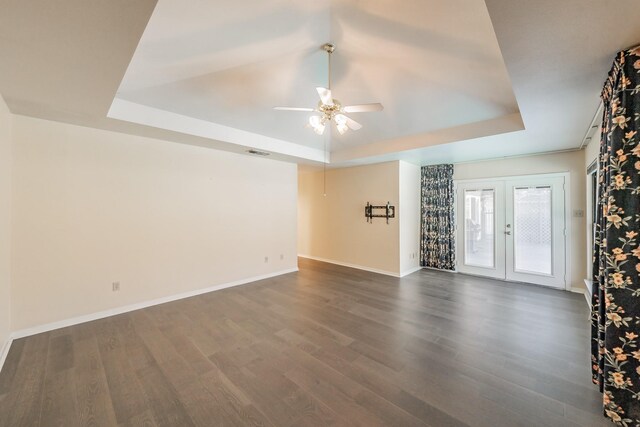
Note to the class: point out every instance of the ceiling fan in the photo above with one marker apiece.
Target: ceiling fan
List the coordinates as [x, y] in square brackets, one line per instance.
[331, 109]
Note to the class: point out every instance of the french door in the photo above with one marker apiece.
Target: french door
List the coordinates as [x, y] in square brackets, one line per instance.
[512, 229]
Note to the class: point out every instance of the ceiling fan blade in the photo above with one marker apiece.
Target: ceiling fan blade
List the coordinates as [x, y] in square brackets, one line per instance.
[325, 95]
[363, 108]
[293, 109]
[353, 125]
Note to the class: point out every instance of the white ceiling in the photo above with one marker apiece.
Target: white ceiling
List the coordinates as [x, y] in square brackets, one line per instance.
[460, 80]
[433, 64]
[65, 60]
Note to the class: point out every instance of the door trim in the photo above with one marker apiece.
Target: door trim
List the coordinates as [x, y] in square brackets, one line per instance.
[568, 249]
[498, 223]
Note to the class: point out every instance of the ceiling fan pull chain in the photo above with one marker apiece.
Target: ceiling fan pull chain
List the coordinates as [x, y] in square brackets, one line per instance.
[324, 167]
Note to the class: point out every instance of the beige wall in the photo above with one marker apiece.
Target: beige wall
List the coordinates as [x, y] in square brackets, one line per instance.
[572, 162]
[409, 212]
[92, 207]
[334, 228]
[5, 222]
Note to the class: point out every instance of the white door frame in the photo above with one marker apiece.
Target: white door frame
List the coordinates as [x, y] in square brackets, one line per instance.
[557, 279]
[496, 271]
[567, 203]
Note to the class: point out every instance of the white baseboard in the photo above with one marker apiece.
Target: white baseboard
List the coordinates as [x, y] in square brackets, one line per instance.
[440, 269]
[5, 351]
[346, 264]
[411, 270]
[137, 306]
[127, 308]
[587, 295]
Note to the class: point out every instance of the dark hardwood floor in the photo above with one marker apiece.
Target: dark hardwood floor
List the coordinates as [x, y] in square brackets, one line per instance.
[326, 346]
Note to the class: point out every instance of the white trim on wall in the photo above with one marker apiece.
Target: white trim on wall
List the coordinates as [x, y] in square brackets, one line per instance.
[410, 271]
[509, 177]
[360, 267]
[127, 308]
[588, 294]
[584, 292]
[5, 351]
[591, 170]
[439, 269]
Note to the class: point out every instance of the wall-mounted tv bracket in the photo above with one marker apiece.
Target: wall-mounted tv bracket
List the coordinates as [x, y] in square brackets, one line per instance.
[389, 212]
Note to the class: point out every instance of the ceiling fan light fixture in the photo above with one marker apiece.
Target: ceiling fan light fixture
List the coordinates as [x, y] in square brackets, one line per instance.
[317, 124]
[331, 109]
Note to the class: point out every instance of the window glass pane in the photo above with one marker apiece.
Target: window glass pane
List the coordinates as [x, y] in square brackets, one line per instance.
[479, 207]
[532, 229]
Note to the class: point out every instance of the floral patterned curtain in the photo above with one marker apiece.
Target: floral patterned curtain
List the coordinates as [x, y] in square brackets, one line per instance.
[437, 246]
[616, 298]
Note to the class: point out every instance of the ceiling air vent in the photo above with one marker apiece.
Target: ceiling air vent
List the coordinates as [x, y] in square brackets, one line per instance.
[258, 153]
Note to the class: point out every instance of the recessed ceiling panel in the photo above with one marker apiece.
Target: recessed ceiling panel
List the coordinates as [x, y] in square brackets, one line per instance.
[434, 65]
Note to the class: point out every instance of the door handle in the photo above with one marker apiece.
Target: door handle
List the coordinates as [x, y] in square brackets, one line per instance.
[507, 233]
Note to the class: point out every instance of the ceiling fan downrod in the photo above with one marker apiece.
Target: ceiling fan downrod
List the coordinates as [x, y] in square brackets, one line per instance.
[329, 48]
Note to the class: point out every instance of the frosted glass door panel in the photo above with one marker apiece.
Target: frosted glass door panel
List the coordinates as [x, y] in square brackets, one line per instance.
[535, 230]
[480, 240]
[532, 230]
[479, 226]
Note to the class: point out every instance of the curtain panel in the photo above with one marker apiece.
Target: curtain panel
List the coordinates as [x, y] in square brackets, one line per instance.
[437, 245]
[616, 298]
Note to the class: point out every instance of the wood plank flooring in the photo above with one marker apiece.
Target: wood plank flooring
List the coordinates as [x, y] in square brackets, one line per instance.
[327, 346]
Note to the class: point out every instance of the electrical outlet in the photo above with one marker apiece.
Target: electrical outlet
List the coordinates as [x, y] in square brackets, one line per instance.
[115, 286]
[281, 257]
[266, 259]
[578, 213]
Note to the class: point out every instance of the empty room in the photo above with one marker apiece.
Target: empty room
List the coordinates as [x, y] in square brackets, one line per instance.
[289, 213]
